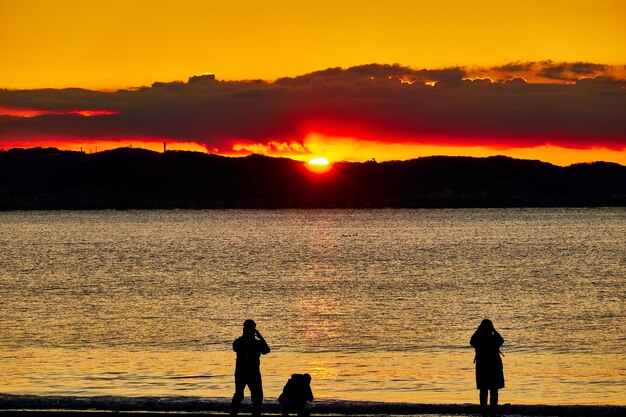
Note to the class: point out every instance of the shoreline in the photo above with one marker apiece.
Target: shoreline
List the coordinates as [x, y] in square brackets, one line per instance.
[34, 405]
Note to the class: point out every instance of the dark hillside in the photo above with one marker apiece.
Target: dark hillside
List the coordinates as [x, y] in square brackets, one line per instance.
[136, 178]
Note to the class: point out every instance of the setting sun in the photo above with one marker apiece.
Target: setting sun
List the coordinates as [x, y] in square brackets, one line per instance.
[319, 161]
[319, 165]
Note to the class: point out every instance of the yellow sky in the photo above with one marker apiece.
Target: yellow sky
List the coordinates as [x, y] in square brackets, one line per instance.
[112, 44]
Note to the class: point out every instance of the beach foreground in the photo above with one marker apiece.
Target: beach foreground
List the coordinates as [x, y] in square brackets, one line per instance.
[33, 405]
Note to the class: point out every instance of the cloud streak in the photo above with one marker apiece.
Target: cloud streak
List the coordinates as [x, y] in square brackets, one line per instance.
[549, 71]
[583, 105]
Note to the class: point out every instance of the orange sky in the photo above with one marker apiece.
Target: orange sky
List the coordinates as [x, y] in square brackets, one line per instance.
[121, 43]
[106, 45]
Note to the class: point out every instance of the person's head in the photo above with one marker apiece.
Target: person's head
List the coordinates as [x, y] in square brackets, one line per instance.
[301, 378]
[249, 326]
[486, 326]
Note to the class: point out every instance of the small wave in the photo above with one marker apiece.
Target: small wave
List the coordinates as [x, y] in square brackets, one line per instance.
[323, 407]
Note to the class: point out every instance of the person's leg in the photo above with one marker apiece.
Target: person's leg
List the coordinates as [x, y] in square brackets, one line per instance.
[484, 409]
[240, 385]
[283, 405]
[493, 406]
[256, 393]
[302, 411]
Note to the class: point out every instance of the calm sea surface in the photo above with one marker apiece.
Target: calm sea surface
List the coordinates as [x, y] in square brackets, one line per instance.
[374, 304]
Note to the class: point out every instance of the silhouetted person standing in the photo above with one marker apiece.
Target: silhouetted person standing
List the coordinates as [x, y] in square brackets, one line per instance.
[296, 394]
[489, 373]
[249, 347]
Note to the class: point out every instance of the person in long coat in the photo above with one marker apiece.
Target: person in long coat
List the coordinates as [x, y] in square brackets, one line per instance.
[489, 370]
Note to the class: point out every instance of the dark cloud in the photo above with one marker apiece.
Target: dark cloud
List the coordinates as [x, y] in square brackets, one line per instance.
[516, 81]
[570, 71]
[587, 68]
[515, 67]
[381, 102]
[378, 71]
[550, 70]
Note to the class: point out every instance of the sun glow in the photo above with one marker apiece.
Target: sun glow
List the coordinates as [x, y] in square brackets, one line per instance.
[319, 161]
[28, 113]
[319, 165]
[359, 150]
[94, 146]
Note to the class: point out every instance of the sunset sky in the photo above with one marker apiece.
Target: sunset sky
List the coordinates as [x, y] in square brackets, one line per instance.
[345, 80]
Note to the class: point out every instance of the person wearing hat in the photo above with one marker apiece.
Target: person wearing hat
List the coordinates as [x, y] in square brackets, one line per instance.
[249, 347]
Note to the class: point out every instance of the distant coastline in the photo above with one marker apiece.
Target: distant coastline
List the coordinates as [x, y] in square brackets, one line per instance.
[131, 178]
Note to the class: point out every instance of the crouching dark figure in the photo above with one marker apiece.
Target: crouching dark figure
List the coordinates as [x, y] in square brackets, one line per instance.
[296, 393]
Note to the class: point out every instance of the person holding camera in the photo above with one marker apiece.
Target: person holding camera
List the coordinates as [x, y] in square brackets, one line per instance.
[489, 370]
[249, 347]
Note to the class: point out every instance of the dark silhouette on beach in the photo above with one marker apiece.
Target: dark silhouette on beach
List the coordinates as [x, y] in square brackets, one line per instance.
[296, 393]
[249, 347]
[49, 179]
[489, 371]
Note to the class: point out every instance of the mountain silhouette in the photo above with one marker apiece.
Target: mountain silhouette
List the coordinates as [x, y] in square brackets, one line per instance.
[129, 178]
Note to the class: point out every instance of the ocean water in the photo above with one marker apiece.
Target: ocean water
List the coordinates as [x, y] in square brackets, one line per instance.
[377, 305]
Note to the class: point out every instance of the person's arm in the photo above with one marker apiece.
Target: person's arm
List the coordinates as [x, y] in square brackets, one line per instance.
[499, 339]
[236, 345]
[474, 339]
[309, 394]
[265, 349]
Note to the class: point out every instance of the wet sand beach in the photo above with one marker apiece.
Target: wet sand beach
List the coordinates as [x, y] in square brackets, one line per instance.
[31, 405]
[599, 411]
